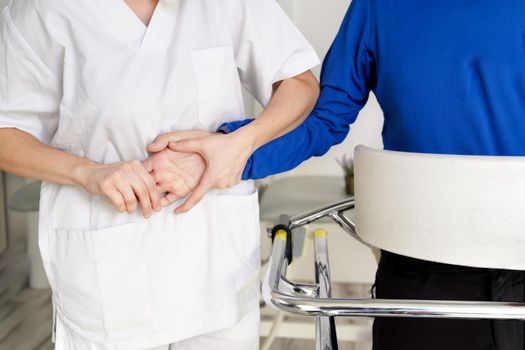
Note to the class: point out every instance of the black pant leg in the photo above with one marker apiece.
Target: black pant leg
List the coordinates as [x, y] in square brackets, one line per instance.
[405, 278]
[508, 286]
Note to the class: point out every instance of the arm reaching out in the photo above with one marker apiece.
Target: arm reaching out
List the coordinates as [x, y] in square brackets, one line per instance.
[126, 184]
[348, 76]
[226, 155]
[274, 63]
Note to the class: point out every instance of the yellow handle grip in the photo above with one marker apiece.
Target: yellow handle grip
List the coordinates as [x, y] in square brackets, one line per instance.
[281, 234]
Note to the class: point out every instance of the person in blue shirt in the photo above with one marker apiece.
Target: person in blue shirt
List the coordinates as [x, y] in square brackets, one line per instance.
[450, 78]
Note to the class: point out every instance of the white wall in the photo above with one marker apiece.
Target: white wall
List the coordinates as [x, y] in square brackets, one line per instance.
[319, 21]
[2, 4]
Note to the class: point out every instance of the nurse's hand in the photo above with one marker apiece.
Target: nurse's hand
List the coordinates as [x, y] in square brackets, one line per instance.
[175, 173]
[126, 184]
[225, 155]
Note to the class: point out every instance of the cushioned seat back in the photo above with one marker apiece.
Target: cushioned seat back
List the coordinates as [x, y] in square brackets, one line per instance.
[463, 210]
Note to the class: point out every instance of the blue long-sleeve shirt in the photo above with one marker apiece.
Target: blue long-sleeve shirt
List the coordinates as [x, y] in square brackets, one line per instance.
[449, 76]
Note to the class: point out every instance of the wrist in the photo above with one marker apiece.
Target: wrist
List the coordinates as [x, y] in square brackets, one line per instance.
[247, 138]
[255, 135]
[80, 172]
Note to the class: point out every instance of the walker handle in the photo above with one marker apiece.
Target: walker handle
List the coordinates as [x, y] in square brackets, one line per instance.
[315, 300]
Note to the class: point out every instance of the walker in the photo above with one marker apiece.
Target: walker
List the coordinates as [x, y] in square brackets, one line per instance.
[315, 299]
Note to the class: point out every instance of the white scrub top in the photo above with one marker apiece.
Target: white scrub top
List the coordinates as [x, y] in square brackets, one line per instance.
[87, 77]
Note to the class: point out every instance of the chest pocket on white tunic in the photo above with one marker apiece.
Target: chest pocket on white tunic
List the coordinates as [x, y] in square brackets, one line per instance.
[219, 87]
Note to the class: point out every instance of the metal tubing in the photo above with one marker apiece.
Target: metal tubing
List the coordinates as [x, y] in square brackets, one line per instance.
[326, 338]
[336, 212]
[302, 299]
[314, 215]
[315, 300]
[398, 308]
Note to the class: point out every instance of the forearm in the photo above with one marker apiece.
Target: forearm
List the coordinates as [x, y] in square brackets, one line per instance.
[313, 138]
[291, 103]
[327, 125]
[24, 155]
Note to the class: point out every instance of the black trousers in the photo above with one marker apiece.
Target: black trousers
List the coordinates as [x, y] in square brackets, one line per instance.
[399, 277]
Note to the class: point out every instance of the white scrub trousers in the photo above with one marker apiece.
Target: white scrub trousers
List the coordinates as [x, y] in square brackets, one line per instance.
[243, 336]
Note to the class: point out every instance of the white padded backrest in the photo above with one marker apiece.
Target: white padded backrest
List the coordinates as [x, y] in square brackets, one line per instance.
[462, 210]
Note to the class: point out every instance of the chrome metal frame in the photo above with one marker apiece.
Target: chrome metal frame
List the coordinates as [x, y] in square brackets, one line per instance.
[315, 299]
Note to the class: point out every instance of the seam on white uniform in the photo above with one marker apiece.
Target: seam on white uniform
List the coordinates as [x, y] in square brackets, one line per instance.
[41, 64]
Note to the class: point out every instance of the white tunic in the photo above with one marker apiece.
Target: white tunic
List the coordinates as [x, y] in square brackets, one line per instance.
[88, 77]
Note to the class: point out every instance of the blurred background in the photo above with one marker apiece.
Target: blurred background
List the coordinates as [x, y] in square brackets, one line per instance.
[25, 311]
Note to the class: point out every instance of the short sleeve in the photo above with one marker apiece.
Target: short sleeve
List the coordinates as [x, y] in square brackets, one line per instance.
[29, 91]
[268, 46]
[347, 77]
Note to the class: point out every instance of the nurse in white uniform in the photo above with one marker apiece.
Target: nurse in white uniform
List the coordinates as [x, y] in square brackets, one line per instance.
[85, 86]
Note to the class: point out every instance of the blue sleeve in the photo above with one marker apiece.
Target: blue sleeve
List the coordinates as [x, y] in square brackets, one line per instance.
[346, 80]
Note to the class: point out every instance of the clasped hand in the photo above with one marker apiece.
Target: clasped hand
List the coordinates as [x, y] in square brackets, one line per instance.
[182, 164]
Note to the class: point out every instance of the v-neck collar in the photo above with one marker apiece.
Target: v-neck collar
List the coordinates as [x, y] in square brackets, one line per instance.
[128, 27]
